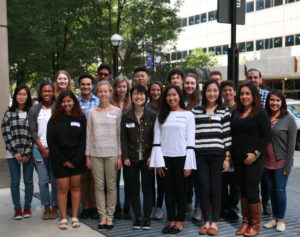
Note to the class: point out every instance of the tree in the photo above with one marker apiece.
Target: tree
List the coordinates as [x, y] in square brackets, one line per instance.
[198, 59]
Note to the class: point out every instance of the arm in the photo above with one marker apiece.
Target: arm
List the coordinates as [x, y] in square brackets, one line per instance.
[32, 118]
[291, 142]
[118, 163]
[226, 131]
[81, 148]
[190, 160]
[89, 133]
[6, 133]
[264, 125]
[124, 138]
[157, 159]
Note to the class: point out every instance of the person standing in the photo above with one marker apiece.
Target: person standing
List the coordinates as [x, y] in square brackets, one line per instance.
[140, 77]
[18, 142]
[66, 132]
[173, 154]
[87, 101]
[39, 116]
[175, 77]
[279, 155]
[62, 81]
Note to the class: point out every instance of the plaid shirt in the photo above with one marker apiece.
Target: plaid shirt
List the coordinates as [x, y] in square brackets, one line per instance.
[16, 134]
[263, 95]
[86, 105]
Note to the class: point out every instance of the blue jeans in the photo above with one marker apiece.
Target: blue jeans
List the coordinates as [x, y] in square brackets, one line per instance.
[45, 174]
[15, 177]
[277, 184]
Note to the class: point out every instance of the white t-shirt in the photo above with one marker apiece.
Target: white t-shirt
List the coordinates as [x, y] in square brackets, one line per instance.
[42, 120]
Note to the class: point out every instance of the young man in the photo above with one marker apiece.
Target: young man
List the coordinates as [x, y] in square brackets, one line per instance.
[104, 72]
[140, 77]
[216, 75]
[87, 101]
[176, 77]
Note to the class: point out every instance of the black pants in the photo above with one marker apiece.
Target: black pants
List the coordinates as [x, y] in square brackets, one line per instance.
[160, 192]
[126, 193]
[209, 173]
[264, 189]
[249, 177]
[230, 191]
[174, 185]
[132, 180]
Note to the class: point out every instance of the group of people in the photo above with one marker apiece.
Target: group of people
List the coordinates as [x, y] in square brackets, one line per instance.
[173, 141]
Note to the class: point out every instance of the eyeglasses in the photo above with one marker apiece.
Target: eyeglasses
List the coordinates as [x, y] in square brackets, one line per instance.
[103, 74]
[47, 91]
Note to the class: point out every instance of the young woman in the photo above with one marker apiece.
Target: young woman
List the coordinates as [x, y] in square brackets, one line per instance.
[38, 119]
[155, 91]
[279, 155]
[66, 134]
[136, 139]
[251, 132]
[62, 81]
[121, 99]
[103, 152]
[18, 141]
[212, 146]
[173, 154]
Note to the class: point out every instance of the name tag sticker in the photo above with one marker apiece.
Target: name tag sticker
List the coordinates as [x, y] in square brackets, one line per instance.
[130, 125]
[75, 124]
[113, 116]
[216, 117]
[83, 107]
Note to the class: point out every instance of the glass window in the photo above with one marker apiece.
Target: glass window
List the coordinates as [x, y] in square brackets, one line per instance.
[211, 49]
[250, 6]
[268, 3]
[204, 50]
[184, 54]
[242, 47]
[197, 19]
[269, 44]
[277, 2]
[179, 55]
[168, 57]
[277, 42]
[225, 49]
[218, 50]
[259, 5]
[297, 41]
[289, 40]
[211, 16]
[173, 56]
[191, 20]
[259, 44]
[249, 46]
[183, 22]
[204, 17]
[289, 1]
[190, 51]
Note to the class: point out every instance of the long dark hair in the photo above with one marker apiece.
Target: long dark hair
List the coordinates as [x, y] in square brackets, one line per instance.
[161, 92]
[256, 104]
[165, 107]
[194, 98]
[58, 111]
[283, 108]
[204, 99]
[46, 83]
[15, 104]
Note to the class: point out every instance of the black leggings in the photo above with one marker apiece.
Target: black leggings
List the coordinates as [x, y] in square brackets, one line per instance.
[209, 173]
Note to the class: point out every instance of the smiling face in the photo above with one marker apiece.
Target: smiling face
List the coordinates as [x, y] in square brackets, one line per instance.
[22, 97]
[246, 96]
[254, 78]
[275, 103]
[122, 89]
[62, 82]
[67, 105]
[173, 99]
[141, 78]
[138, 98]
[190, 85]
[86, 86]
[155, 92]
[47, 93]
[212, 93]
[103, 93]
[228, 93]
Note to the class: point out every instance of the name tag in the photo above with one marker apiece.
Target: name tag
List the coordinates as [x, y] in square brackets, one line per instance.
[130, 125]
[83, 107]
[75, 124]
[216, 117]
[113, 116]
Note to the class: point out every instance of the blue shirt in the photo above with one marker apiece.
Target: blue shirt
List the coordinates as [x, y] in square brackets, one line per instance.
[263, 95]
[86, 105]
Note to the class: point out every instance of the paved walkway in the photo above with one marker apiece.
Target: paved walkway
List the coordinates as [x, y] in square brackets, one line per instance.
[36, 227]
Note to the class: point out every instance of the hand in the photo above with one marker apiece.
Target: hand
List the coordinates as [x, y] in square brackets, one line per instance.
[69, 165]
[25, 159]
[250, 159]
[226, 165]
[160, 171]
[127, 162]
[148, 164]
[18, 156]
[118, 164]
[187, 173]
[45, 153]
[286, 173]
[88, 162]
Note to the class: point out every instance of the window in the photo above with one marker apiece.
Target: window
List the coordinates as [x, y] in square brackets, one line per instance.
[212, 15]
[197, 19]
[191, 20]
[268, 43]
[277, 42]
[250, 7]
[190, 51]
[204, 17]
[297, 41]
[218, 50]
[225, 49]
[259, 5]
[259, 44]
[289, 1]
[211, 49]
[204, 50]
[183, 22]
[242, 47]
[277, 2]
[168, 57]
[289, 40]
[173, 56]
[268, 3]
[184, 54]
[179, 55]
[249, 46]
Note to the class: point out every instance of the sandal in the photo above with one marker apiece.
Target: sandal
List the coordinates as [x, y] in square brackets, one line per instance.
[75, 222]
[63, 224]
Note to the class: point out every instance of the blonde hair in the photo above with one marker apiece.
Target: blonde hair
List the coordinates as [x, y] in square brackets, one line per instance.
[56, 89]
[101, 83]
[115, 97]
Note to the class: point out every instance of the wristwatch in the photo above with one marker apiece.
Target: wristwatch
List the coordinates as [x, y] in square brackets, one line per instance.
[257, 154]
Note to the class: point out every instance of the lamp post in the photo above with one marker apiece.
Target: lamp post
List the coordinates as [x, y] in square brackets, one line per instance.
[116, 40]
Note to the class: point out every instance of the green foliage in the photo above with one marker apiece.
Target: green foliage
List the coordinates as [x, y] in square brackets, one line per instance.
[199, 59]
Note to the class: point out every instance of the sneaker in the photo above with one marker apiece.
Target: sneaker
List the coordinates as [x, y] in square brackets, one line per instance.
[146, 224]
[158, 214]
[267, 208]
[27, 212]
[152, 216]
[18, 214]
[197, 216]
[271, 224]
[137, 224]
[189, 207]
[280, 226]
[53, 214]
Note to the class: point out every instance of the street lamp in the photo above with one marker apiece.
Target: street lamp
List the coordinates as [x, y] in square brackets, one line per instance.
[116, 41]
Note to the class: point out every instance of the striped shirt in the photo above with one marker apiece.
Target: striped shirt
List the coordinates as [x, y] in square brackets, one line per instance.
[212, 131]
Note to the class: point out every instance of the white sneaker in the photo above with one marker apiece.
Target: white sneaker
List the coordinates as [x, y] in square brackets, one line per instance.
[153, 213]
[197, 216]
[280, 226]
[158, 214]
[271, 224]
